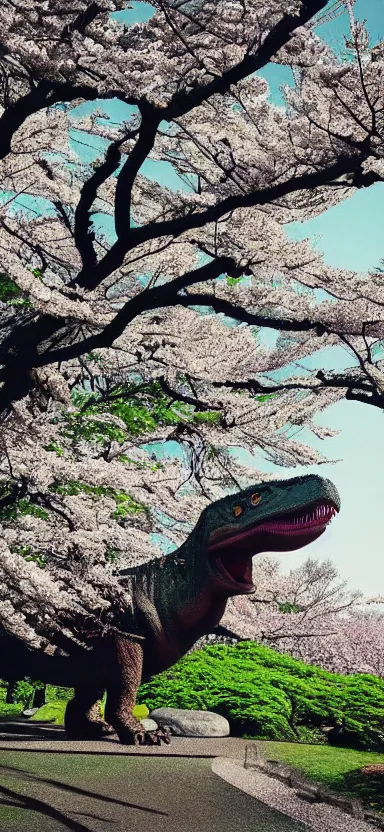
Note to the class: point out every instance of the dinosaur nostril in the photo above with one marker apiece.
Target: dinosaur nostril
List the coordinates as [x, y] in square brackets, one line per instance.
[237, 510]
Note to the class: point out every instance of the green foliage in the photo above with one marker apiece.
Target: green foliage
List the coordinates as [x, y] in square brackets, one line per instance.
[10, 292]
[265, 397]
[54, 447]
[233, 281]
[8, 711]
[210, 417]
[23, 693]
[125, 504]
[94, 356]
[140, 711]
[111, 554]
[141, 409]
[27, 553]
[288, 607]
[36, 272]
[53, 693]
[152, 466]
[270, 696]
[20, 507]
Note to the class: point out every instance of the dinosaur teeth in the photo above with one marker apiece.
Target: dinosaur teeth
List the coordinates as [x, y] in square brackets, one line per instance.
[319, 514]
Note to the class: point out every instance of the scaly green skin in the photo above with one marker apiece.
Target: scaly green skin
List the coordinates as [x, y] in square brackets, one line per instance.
[176, 600]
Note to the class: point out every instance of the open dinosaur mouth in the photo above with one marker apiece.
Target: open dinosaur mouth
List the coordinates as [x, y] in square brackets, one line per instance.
[231, 549]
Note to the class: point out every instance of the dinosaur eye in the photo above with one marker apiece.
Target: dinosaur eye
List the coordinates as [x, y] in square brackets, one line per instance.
[237, 510]
[255, 499]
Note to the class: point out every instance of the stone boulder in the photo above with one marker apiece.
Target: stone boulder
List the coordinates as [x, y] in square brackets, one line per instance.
[185, 723]
[149, 724]
[29, 711]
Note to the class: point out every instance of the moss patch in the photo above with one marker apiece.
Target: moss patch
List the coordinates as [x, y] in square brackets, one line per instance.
[51, 712]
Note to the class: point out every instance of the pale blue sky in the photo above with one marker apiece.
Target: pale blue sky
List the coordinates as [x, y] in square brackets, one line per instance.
[350, 235]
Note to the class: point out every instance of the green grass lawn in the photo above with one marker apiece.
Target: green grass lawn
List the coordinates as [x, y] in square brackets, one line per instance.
[338, 768]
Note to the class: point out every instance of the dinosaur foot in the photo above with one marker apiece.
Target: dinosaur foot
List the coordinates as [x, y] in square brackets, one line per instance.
[137, 737]
[92, 730]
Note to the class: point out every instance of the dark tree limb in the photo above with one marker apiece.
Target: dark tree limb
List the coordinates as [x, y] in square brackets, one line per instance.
[45, 94]
[181, 397]
[150, 120]
[356, 388]
[198, 219]
[232, 310]
[84, 237]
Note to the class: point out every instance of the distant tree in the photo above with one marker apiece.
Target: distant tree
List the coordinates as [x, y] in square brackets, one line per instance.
[310, 614]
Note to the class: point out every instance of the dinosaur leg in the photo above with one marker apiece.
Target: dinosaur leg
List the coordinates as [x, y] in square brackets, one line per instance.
[124, 677]
[83, 720]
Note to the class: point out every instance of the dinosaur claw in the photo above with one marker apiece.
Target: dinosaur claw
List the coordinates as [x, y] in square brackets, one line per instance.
[152, 737]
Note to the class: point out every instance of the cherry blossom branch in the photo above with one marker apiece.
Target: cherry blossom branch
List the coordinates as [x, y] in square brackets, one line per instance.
[232, 310]
[183, 103]
[150, 120]
[356, 389]
[45, 94]
[20, 353]
[175, 227]
[84, 238]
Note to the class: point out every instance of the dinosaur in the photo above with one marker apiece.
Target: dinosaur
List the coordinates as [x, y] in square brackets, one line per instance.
[176, 600]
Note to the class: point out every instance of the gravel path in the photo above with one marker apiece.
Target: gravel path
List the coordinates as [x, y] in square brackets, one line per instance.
[21, 735]
[319, 817]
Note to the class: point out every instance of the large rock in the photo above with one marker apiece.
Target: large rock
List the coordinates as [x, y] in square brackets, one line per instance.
[149, 724]
[185, 723]
[29, 711]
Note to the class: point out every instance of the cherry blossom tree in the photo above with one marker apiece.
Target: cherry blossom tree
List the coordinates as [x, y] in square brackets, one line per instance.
[132, 313]
[312, 615]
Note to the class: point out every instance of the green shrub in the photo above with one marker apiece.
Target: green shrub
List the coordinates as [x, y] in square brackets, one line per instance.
[7, 710]
[53, 693]
[140, 711]
[270, 696]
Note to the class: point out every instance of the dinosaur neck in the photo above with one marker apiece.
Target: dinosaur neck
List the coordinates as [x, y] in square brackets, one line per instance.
[175, 597]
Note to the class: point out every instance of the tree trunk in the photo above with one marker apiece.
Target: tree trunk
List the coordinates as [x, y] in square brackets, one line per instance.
[38, 697]
[11, 691]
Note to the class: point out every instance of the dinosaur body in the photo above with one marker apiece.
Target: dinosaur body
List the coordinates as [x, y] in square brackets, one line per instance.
[176, 600]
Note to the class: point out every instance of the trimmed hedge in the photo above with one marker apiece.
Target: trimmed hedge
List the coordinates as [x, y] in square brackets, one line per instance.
[268, 695]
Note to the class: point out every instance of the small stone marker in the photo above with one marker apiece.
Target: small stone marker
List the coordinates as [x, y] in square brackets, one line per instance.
[279, 770]
[254, 756]
[346, 804]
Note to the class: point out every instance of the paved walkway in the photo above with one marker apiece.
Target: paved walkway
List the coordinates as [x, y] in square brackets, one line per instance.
[93, 787]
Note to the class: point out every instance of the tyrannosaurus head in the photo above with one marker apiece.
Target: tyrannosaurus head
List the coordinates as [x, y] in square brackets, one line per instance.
[277, 516]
